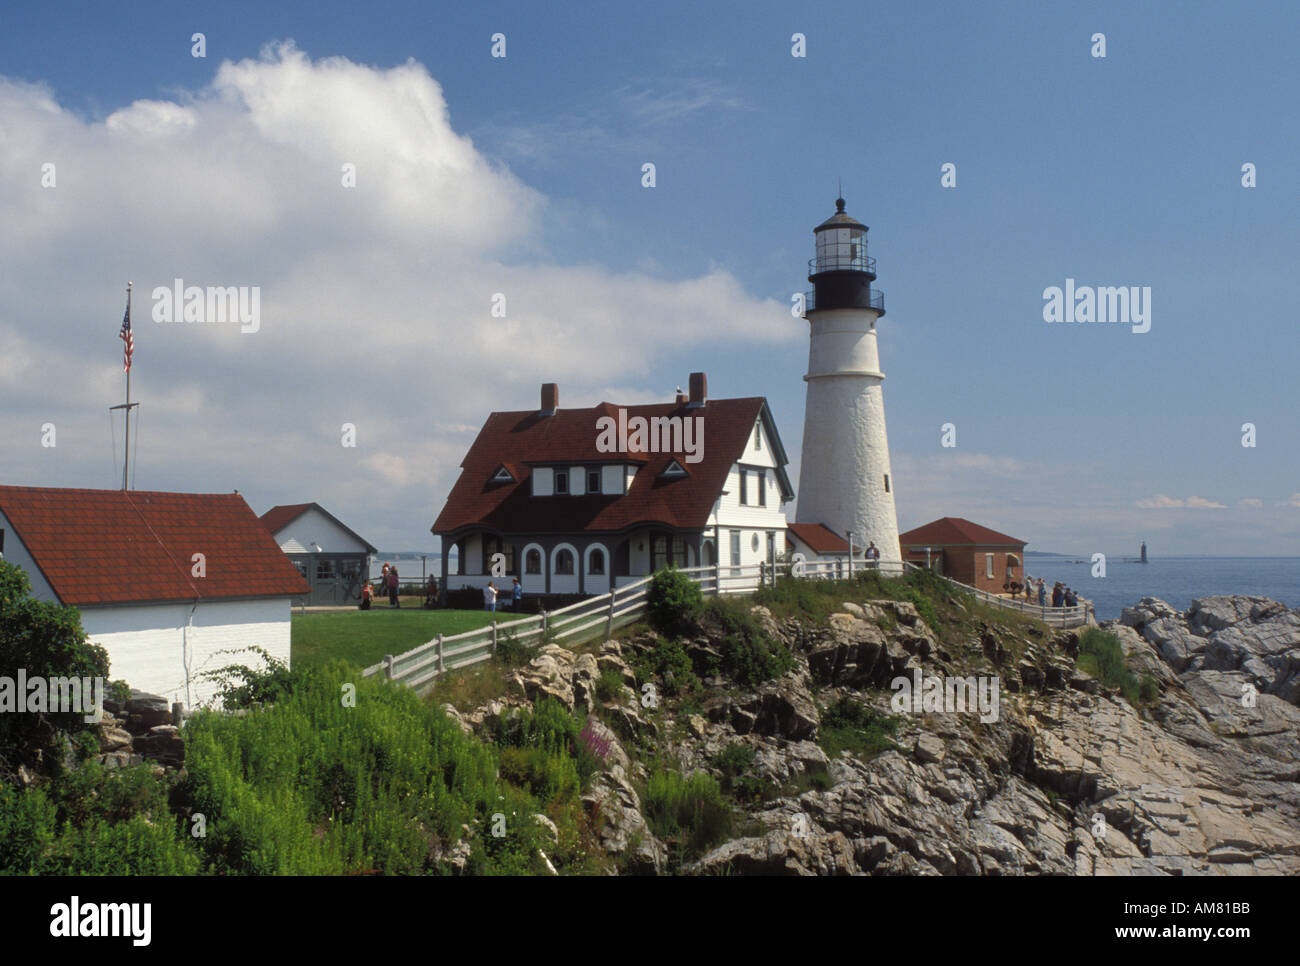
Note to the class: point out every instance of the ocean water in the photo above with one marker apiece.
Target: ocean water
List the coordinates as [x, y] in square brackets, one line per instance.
[1177, 580]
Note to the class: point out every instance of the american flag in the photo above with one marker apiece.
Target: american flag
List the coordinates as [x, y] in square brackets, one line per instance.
[125, 336]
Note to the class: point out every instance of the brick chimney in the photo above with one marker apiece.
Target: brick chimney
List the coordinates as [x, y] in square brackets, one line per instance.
[550, 398]
[699, 390]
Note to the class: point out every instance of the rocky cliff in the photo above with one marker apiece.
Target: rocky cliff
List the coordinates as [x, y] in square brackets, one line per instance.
[1070, 779]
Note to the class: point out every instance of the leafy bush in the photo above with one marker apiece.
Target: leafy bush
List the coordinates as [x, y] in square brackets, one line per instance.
[668, 661]
[93, 822]
[1102, 656]
[924, 606]
[672, 601]
[609, 686]
[689, 813]
[849, 725]
[511, 651]
[45, 640]
[551, 729]
[749, 656]
[735, 762]
[241, 686]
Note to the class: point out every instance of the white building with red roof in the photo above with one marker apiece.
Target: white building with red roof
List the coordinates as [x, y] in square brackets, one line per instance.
[166, 582]
[331, 556]
[577, 501]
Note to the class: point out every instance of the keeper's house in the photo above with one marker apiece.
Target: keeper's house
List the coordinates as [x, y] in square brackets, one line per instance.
[333, 560]
[578, 501]
[164, 581]
[966, 552]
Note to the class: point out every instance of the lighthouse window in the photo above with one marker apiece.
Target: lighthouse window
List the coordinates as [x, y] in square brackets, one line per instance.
[886, 482]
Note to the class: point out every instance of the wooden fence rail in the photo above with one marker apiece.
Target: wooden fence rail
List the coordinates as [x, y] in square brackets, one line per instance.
[601, 616]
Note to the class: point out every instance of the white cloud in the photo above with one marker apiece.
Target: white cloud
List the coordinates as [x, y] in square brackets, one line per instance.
[1250, 501]
[375, 299]
[1162, 502]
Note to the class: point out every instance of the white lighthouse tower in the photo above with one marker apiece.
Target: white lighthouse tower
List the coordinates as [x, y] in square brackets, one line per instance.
[845, 482]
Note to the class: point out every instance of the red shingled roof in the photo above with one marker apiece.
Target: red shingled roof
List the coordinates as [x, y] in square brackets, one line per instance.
[278, 517]
[950, 531]
[117, 547]
[522, 439]
[819, 537]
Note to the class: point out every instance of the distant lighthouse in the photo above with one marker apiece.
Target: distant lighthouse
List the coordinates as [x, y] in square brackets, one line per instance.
[845, 480]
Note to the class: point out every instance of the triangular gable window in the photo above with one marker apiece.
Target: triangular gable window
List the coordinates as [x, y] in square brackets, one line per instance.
[503, 475]
[674, 468]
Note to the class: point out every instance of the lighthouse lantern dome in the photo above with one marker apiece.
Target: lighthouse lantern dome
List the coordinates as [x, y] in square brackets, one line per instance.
[841, 244]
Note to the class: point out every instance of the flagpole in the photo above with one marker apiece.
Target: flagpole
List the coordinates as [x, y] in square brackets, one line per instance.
[129, 339]
[127, 454]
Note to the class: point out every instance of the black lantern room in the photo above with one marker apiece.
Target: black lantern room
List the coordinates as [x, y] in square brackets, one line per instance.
[842, 271]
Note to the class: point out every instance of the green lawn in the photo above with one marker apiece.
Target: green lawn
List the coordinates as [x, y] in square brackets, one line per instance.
[364, 637]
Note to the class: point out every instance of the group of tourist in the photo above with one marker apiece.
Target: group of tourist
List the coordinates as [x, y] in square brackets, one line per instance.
[388, 580]
[1062, 596]
[490, 594]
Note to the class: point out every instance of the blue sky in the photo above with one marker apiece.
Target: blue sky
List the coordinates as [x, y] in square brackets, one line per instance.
[1117, 171]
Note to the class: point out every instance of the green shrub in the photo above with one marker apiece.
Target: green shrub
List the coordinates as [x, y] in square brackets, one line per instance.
[1102, 656]
[552, 729]
[609, 686]
[313, 787]
[849, 725]
[668, 661]
[688, 813]
[45, 640]
[735, 762]
[749, 656]
[672, 602]
[242, 686]
[924, 606]
[511, 651]
[96, 823]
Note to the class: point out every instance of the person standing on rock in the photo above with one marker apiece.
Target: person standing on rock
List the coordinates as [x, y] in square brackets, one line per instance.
[1058, 595]
[1042, 592]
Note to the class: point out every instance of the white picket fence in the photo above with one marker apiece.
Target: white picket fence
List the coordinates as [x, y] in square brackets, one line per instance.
[601, 616]
[1062, 617]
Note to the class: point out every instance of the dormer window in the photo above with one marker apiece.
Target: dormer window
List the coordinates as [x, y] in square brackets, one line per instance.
[561, 482]
[593, 481]
[674, 468]
[502, 475]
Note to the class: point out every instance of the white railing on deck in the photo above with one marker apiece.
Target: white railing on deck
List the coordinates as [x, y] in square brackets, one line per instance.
[1063, 617]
